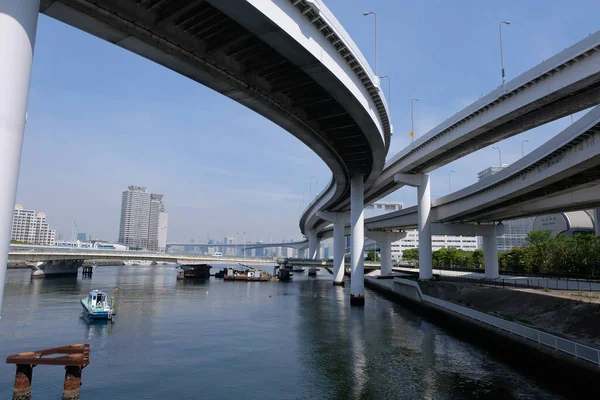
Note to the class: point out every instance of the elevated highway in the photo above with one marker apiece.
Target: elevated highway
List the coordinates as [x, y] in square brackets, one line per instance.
[564, 84]
[289, 60]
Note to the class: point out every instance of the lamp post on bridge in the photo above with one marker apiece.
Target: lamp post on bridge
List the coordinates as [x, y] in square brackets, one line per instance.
[236, 242]
[522, 148]
[244, 254]
[412, 118]
[501, 50]
[389, 92]
[376, 51]
[73, 236]
[499, 155]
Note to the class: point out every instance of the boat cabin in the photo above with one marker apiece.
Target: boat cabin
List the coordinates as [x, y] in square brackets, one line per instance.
[97, 299]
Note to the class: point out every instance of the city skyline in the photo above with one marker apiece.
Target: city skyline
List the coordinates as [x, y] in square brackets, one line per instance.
[227, 169]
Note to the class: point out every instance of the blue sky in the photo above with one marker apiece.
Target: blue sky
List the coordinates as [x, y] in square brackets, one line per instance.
[101, 118]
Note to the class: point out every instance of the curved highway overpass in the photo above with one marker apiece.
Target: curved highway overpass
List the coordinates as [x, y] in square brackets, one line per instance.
[561, 175]
[562, 85]
[289, 60]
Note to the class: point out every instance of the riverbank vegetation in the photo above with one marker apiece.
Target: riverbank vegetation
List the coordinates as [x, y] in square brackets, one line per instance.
[577, 255]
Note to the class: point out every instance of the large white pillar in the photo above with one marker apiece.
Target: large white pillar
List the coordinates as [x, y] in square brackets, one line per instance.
[490, 255]
[385, 249]
[385, 240]
[18, 24]
[357, 228]
[339, 220]
[313, 244]
[339, 250]
[424, 207]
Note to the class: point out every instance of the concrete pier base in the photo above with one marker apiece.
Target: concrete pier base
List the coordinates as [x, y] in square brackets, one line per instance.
[357, 301]
[341, 283]
[312, 271]
[22, 387]
[72, 382]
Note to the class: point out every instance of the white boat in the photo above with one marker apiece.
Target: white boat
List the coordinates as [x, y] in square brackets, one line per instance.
[138, 262]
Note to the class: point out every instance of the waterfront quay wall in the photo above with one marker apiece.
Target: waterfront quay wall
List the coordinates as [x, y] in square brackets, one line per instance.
[570, 376]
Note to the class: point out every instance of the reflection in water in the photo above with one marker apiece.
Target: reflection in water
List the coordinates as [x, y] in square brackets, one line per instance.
[386, 352]
[96, 328]
[238, 340]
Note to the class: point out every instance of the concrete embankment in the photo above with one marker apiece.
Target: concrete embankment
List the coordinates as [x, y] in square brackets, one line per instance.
[568, 375]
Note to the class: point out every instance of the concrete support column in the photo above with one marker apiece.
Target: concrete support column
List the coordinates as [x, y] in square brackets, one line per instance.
[313, 244]
[18, 25]
[72, 382]
[357, 228]
[312, 271]
[339, 247]
[597, 221]
[385, 248]
[424, 208]
[339, 220]
[22, 387]
[490, 255]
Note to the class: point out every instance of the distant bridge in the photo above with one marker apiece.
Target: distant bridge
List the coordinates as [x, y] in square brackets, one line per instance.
[248, 246]
[45, 260]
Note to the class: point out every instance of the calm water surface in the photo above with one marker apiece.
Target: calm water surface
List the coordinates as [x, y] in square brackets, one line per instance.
[225, 340]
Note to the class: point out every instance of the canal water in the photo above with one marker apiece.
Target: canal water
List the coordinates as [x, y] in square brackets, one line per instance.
[232, 340]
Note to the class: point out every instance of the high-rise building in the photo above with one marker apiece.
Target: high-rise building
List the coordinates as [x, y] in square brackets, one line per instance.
[82, 237]
[31, 227]
[228, 250]
[143, 220]
[157, 225]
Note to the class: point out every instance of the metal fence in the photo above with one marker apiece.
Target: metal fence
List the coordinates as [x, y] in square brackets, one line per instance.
[577, 350]
[539, 283]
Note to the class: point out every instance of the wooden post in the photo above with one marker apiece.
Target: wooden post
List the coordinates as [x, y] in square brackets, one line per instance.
[22, 388]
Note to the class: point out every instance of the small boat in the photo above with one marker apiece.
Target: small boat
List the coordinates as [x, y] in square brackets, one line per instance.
[299, 270]
[134, 263]
[283, 274]
[221, 273]
[249, 275]
[96, 306]
[194, 271]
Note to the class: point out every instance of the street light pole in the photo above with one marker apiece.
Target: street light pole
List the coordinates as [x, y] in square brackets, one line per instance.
[412, 118]
[244, 245]
[73, 236]
[522, 148]
[389, 92]
[376, 51]
[501, 50]
[236, 242]
[449, 187]
[499, 155]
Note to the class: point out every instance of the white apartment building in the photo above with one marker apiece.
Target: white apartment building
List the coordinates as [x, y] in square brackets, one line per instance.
[411, 241]
[31, 227]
